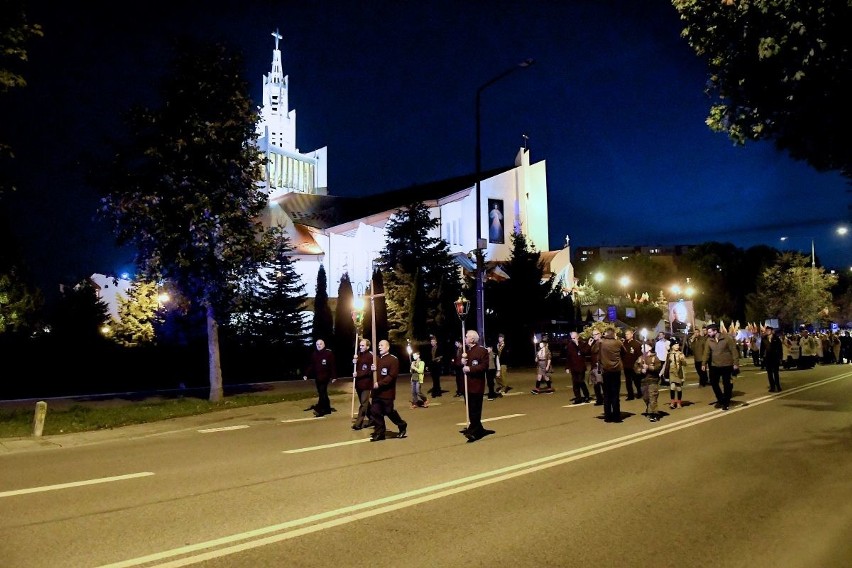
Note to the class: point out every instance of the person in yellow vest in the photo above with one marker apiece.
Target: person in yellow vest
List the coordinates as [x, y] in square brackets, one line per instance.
[418, 368]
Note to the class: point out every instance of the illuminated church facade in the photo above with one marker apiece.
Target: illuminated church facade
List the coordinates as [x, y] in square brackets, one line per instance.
[346, 234]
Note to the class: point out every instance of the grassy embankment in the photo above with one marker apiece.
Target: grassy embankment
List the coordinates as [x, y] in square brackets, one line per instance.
[87, 417]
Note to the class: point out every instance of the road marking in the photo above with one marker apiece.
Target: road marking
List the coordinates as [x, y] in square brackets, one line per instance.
[75, 484]
[576, 405]
[360, 511]
[494, 419]
[325, 446]
[304, 419]
[223, 429]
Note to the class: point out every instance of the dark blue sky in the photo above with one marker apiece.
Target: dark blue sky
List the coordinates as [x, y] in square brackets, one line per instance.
[614, 103]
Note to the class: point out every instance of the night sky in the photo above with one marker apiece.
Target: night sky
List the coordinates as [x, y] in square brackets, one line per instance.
[614, 103]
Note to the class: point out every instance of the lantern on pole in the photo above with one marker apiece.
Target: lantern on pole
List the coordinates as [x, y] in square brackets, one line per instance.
[462, 307]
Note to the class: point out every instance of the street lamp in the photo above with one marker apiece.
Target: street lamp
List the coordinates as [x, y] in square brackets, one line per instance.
[462, 308]
[480, 242]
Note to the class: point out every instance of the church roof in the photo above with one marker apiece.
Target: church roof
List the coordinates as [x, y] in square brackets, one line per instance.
[327, 211]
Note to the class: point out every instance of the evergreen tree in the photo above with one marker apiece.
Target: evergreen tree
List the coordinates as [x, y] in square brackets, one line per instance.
[526, 299]
[323, 327]
[344, 326]
[413, 258]
[183, 191]
[138, 314]
[80, 315]
[280, 300]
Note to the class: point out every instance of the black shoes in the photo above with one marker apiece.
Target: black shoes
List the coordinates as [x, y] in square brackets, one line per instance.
[357, 427]
[375, 438]
[478, 436]
[506, 389]
[402, 430]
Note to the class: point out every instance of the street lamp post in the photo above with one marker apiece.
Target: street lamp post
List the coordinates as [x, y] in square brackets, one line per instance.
[480, 244]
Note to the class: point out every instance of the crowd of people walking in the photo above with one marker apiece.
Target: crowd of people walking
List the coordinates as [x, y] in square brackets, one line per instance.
[602, 361]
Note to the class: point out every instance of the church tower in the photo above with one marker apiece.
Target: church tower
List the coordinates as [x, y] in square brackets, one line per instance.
[286, 170]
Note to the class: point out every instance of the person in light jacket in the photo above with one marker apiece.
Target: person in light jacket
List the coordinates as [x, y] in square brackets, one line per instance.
[722, 358]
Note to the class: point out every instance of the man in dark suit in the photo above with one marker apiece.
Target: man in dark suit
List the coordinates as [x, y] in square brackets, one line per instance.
[321, 368]
[435, 364]
[474, 364]
[771, 352]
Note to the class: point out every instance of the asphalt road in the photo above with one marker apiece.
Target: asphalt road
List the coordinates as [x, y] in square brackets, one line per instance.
[765, 484]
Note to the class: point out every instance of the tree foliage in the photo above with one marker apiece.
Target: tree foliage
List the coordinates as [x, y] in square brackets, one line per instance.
[796, 292]
[16, 32]
[20, 306]
[344, 326]
[273, 300]
[138, 314]
[779, 70]
[418, 273]
[323, 327]
[80, 315]
[183, 190]
[523, 301]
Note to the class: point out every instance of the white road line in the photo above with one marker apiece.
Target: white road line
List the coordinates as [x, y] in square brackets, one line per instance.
[494, 419]
[576, 405]
[360, 511]
[325, 446]
[223, 429]
[304, 419]
[75, 484]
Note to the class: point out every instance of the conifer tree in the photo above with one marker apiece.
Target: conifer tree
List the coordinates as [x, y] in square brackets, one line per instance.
[344, 326]
[323, 327]
[138, 313]
[280, 300]
[412, 257]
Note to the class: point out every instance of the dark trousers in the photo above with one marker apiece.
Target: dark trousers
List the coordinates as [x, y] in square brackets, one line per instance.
[724, 373]
[435, 372]
[459, 382]
[490, 375]
[578, 383]
[611, 391]
[474, 410]
[633, 381]
[323, 403]
[598, 392]
[702, 375]
[363, 418]
[380, 408]
[774, 375]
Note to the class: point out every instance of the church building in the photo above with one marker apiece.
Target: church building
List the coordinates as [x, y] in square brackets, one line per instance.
[346, 234]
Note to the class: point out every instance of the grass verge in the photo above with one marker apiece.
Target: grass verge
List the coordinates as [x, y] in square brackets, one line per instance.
[18, 423]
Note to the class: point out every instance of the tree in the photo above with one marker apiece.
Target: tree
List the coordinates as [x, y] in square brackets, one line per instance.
[184, 189]
[273, 301]
[138, 314]
[779, 70]
[323, 327]
[796, 292]
[344, 326]
[15, 32]
[416, 267]
[526, 299]
[80, 315]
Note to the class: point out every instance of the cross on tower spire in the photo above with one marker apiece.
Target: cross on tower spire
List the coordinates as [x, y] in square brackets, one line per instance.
[277, 36]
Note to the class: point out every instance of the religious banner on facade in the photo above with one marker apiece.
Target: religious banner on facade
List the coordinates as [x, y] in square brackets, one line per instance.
[496, 233]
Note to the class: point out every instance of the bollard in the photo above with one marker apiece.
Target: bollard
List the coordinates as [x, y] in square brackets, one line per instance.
[40, 415]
